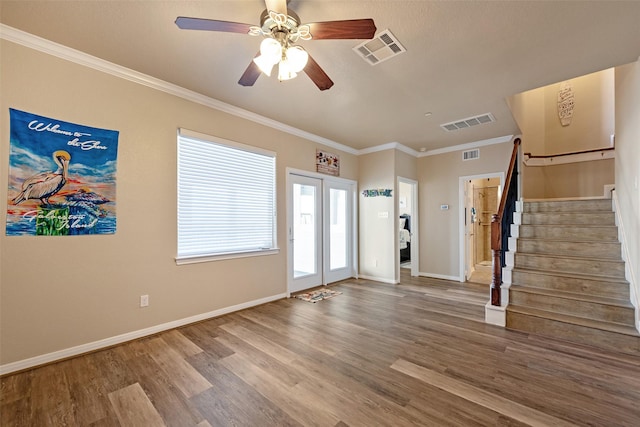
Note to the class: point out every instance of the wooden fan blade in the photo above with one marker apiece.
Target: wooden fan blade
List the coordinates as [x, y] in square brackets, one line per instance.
[279, 6]
[186, 23]
[250, 75]
[317, 74]
[349, 29]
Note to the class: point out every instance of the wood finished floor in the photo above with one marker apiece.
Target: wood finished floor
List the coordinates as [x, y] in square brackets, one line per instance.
[414, 354]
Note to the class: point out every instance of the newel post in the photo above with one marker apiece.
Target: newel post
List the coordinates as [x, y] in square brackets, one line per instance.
[496, 248]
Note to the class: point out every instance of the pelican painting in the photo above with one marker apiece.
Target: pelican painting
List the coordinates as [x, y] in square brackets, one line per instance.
[46, 184]
[60, 198]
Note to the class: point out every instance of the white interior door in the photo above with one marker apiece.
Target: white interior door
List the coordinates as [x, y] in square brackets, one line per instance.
[338, 231]
[305, 233]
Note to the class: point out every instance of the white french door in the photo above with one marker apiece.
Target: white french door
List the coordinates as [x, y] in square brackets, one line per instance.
[321, 232]
[305, 233]
[338, 224]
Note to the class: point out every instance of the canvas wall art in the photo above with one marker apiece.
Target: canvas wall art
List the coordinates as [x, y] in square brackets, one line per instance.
[62, 177]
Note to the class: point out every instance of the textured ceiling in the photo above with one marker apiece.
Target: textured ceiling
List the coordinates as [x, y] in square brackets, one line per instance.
[464, 58]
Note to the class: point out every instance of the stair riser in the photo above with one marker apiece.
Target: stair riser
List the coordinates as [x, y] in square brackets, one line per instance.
[572, 284]
[572, 206]
[574, 333]
[597, 267]
[609, 233]
[609, 313]
[606, 250]
[604, 218]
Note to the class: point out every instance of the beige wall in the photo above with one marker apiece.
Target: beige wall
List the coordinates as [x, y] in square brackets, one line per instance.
[379, 245]
[377, 216]
[405, 165]
[628, 165]
[592, 125]
[61, 292]
[439, 181]
[584, 179]
[593, 116]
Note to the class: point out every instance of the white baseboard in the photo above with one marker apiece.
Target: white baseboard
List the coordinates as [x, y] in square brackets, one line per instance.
[395, 282]
[440, 276]
[379, 279]
[118, 339]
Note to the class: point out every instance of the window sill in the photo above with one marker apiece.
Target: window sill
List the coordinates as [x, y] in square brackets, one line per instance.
[222, 257]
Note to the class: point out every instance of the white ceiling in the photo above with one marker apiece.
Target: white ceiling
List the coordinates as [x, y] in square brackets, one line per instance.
[464, 58]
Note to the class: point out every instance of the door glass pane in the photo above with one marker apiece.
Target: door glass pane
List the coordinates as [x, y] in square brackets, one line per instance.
[337, 228]
[304, 230]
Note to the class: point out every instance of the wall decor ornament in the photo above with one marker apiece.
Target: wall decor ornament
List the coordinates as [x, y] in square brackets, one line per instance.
[378, 192]
[62, 177]
[327, 163]
[566, 103]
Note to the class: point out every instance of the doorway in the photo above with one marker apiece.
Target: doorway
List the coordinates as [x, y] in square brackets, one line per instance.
[321, 231]
[480, 197]
[408, 235]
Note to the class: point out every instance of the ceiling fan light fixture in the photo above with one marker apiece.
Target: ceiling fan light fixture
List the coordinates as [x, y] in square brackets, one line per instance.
[264, 63]
[281, 28]
[286, 71]
[297, 58]
[271, 49]
[270, 55]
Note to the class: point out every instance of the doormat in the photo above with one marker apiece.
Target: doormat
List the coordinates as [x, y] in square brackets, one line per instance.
[319, 295]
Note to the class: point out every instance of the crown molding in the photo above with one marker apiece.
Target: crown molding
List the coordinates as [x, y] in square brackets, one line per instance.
[69, 54]
[78, 57]
[468, 146]
[412, 152]
[389, 146]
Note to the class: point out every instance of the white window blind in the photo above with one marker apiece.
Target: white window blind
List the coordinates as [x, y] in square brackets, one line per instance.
[226, 197]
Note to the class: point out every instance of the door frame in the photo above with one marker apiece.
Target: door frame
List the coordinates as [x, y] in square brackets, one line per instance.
[462, 216]
[324, 238]
[415, 229]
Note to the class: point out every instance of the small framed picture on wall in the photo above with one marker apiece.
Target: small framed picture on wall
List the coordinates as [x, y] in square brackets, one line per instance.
[327, 163]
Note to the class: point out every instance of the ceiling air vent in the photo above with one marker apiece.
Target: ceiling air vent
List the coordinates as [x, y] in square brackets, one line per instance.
[468, 122]
[471, 154]
[380, 48]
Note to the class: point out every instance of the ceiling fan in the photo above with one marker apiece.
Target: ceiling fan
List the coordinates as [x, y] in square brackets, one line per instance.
[281, 28]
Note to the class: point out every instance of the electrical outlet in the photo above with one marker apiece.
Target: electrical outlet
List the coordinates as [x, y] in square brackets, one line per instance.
[144, 300]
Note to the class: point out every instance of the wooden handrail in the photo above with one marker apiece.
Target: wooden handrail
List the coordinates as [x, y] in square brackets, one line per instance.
[549, 156]
[496, 229]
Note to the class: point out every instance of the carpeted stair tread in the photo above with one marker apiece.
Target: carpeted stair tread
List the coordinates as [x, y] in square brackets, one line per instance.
[568, 205]
[569, 257]
[610, 279]
[575, 320]
[575, 240]
[568, 264]
[610, 250]
[568, 218]
[571, 282]
[618, 302]
[578, 233]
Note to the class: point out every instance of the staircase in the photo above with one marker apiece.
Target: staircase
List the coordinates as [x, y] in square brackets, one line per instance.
[568, 276]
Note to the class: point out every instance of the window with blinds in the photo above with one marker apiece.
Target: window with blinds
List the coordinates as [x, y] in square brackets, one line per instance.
[226, 199]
